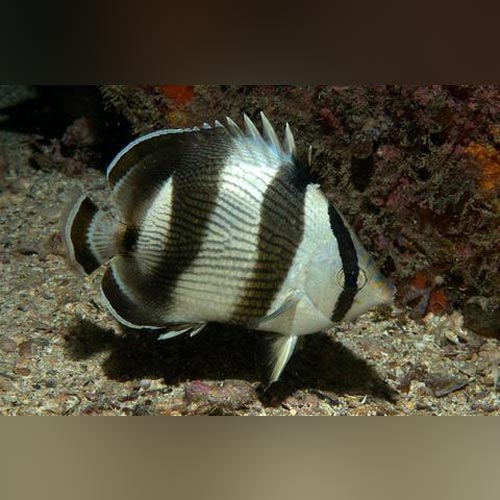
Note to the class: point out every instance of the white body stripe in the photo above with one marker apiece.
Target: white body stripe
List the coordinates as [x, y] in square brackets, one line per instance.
[153, 231]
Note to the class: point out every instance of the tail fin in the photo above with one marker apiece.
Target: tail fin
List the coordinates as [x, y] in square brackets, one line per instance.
[89, 235]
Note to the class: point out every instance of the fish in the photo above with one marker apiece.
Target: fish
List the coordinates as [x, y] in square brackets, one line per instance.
[223, 224]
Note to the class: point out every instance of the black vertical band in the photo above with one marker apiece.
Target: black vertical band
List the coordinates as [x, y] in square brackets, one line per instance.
[350, 266]
[281, 229]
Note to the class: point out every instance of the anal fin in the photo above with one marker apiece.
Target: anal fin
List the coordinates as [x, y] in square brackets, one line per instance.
[278, 350]
[176, 330]
[121, 304]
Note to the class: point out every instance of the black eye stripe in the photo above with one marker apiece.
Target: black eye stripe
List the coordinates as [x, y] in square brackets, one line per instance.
[361, 281]
[350, 266]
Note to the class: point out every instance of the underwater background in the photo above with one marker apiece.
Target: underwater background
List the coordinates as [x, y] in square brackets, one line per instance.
[414, 169]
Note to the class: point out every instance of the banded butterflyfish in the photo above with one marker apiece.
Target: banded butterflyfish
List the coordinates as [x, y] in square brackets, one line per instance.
[220, 224]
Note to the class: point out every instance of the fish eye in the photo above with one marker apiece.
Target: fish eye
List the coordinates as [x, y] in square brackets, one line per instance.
[362, 279]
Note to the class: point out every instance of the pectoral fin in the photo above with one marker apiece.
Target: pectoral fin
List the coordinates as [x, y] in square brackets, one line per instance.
[277, 351]
[290, 301]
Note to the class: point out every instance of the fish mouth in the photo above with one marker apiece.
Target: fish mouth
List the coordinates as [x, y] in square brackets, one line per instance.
[390, 292]
[392, 289]
[380, 293]
[385, 291]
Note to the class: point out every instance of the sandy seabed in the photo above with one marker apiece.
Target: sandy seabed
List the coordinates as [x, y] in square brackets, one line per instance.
[61, 353]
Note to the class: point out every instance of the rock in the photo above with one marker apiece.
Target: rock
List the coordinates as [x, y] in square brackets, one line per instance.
[22, 370]
[50, 383]
[79, 134]
[7, 344]
[5, 385]
[219, 399]
[482, 316]
[26, 348]
[145, 383]
[442, 385]
[417, 388]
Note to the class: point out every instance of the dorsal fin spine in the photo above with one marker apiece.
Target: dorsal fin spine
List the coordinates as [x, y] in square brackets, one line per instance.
[289, 142]
[269, 133]
[233, 128]
[251, 130]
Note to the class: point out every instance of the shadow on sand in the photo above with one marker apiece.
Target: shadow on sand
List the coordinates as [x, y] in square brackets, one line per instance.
[225, 352]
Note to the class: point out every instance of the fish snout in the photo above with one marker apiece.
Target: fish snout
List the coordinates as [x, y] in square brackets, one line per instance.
[386, 291]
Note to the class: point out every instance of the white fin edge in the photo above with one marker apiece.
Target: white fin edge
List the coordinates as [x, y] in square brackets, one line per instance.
[123, 321]
[173, 333]
[147, 137]
[65, 229]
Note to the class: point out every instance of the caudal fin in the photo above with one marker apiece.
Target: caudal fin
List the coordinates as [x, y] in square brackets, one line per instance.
[88, 234]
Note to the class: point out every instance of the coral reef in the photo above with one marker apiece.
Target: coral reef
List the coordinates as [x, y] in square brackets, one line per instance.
[416, 169]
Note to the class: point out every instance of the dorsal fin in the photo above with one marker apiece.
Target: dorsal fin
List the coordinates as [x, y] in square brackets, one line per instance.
[269, 136]
[140, 169]
[122, 161]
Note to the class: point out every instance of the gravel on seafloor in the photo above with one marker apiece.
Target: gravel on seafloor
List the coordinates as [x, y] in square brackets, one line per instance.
[61, 353]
